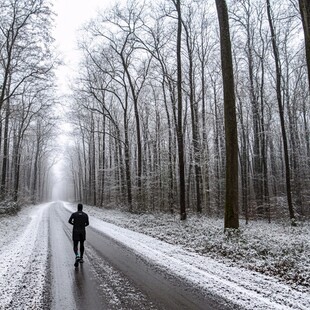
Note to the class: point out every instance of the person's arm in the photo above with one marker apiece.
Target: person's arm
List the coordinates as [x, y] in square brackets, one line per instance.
[71, 220]
[86, 222]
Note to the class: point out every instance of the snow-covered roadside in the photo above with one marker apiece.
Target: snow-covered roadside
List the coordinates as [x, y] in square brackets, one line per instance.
[250, 290]
[277, 249]
[23, 259]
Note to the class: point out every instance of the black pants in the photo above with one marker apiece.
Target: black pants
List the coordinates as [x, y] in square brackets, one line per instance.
[75, 247]
[78, 237]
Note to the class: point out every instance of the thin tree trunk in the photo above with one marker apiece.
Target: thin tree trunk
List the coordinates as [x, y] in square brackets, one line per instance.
[244, 162]
[257, 164]
[127, 165]
[204, 133]
[16, 163]
[170, 164]
[180, 137]
[264, 142]
[218, 153]
[281, 113]
[102, 155]
[5, 153]
[35, 172]
[195, 122]
[138, 130]
[92, 158]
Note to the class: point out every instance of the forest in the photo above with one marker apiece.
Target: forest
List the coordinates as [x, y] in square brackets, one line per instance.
[180, 106]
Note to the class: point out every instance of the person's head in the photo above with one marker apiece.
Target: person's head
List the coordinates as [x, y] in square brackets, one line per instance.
[80, 207]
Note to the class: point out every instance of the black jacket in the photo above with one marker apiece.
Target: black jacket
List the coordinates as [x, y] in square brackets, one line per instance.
[79, 220]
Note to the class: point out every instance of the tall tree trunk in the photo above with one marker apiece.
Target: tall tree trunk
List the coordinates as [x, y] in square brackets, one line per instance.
[218, 150]
[119, 159]
[264, 141]
[102, 154]
[231, 139]
[139, 151]
[16, 165]
[81, 180]
[93, 167]
[84, 165]
[92, 163]
[244, 151]
[195, 120]
[281, 113]
[304, 6]
[204, 133]
[0, 134]
[127, 164]
[257, 160]
[134, 94]
[35, 172]
[5, 155]
[180, 137]
[170, 160]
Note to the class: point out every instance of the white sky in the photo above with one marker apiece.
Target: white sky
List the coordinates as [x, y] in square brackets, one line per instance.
[71, 15]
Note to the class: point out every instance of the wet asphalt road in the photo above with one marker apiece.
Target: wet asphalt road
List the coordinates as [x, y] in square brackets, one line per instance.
[113, 277]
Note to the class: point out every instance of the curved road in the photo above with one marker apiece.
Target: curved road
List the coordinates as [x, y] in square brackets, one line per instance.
[113, 276]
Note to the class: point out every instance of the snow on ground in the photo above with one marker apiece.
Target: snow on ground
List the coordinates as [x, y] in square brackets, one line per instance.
[23, 259]
[195, 250]
[247, 288]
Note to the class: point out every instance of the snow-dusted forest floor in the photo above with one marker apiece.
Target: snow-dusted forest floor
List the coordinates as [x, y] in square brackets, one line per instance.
[276, 249]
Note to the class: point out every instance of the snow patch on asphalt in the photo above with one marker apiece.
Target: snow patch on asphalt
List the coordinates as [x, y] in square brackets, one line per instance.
[116, 289]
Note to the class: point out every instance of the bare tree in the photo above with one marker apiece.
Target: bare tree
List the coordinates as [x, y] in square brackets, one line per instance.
[25, 59]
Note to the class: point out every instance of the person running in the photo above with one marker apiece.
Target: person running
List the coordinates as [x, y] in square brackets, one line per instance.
[79, 220]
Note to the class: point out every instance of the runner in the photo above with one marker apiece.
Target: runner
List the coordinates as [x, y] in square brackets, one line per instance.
[79, 220]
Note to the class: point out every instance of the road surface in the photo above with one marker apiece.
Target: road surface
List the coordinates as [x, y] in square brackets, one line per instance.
[113, 276]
